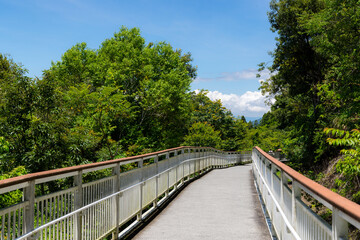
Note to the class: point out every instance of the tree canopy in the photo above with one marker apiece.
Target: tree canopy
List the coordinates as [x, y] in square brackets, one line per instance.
[315, 83]
[126, 97]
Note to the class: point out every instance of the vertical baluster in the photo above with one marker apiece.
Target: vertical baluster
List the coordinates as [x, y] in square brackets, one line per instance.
[189, 169]
[307, 226]
[18, 222]
[93, 221]
[65, 231]
[90, 223]
[176, 168]
[156, 161]
[194, 161]
[78, 197]
[8, 229]
[58, 214]
[140, 165]
[85, 193]
[168, 174]
[13, 222]
[62, 222]
[53, 216]
[86, 223]
[95, 217]
[2, 226]
[103, 221]
[295, 194]
[98, 192]
[339, 225]
[37, 220]
[29, 195]
[183, 165]
[70, 219]
[104, 217]
[46, 215]
[116, 171]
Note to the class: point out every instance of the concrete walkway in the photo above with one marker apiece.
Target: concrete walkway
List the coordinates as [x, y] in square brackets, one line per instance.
[223, 204]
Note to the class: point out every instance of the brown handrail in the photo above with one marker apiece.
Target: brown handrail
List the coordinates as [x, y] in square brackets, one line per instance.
[345, 205]
[33, 176]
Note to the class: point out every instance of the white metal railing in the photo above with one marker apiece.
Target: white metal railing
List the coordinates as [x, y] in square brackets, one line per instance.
[111, 205]
[281, 188]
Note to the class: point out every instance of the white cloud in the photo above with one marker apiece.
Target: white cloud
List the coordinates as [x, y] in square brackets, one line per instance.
[248, 74]
[250, 104]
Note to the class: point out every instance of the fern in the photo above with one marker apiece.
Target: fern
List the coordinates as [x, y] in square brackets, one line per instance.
[345, 138]
[349, 166]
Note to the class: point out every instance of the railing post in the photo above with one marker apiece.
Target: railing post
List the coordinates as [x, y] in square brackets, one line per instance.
[139, 215]
[201, 155]
[189, 156]
[215, 159]
[156, 161]
[116, 172]
[295, 194]
[196, 157]
[168, 175]
[283, 182]
[273, 170]
[339, 226]
[183, 165]
[29, 195]
[78, 204]
[176, 168]
[208, 159]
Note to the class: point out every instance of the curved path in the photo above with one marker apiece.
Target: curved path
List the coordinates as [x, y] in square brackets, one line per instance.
[222, 204]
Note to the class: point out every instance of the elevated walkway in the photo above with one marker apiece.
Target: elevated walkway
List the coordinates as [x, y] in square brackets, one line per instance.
[223, 204]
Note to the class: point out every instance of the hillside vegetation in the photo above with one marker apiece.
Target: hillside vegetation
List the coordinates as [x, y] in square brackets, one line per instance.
[316, 86]
[123, 99]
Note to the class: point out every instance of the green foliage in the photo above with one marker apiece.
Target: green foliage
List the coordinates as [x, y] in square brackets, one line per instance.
[94, 105]
[345, 138]
[124, 98]
[202, 134]
[349, 166]
[16, 105]
[232, 131]
[4, 149]
[315, 83]
[315, 73]
[297, 70]
[265, 134]
[12, 197]
[335, 35]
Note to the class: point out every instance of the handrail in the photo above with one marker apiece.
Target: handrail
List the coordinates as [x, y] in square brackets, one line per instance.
[349, 207]
[290, 216]
[102, 206]
[49, 173]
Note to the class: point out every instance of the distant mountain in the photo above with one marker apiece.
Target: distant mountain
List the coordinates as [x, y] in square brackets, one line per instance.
[252, 119]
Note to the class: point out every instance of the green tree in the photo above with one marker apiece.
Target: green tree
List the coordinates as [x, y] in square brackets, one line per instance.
[16, 107]
[4, 149]
[232, 130]
[335, 35]
[202, 134]
[154, 80]
[298, 70]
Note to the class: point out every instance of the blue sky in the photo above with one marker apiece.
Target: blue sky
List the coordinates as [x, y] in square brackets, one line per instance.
[227, 39]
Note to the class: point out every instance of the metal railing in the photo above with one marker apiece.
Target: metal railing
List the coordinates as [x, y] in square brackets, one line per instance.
[281, 190]
[112, 205]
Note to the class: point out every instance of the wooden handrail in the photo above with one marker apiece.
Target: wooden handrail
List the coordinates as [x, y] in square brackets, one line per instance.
[352, 209]
[49, 173]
